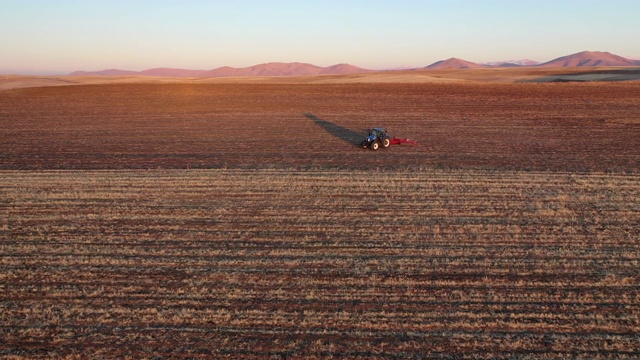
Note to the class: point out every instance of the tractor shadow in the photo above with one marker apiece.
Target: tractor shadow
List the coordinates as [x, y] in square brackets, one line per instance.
[351, 137]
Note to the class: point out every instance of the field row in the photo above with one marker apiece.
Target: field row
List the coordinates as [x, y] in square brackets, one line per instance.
[258, 263]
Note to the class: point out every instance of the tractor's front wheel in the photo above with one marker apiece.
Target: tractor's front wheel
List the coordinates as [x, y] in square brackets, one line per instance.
[386, 142]
[375, 145]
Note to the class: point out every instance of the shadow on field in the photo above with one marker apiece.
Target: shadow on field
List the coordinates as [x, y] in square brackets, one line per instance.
[348, 135]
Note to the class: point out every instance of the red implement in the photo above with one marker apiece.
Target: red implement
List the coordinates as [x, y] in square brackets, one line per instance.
[397, 141]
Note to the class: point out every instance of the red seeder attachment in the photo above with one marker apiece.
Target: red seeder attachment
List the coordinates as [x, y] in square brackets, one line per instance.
[397, 141]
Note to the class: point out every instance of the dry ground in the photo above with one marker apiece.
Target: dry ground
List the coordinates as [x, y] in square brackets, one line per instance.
[280, 263]
[484, 75]
[577, 127]
[511, 230]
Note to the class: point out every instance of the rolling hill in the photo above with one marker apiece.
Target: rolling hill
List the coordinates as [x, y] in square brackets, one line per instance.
[590, 58]
[341, 69]
[267, 69]
[453, 63]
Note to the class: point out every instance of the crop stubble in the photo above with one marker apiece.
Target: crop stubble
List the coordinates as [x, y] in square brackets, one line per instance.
[297, 243]
[322, 263]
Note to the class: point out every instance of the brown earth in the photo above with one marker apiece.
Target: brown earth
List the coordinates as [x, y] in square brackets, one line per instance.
[510, 231]
[322, 264]
[559, 127]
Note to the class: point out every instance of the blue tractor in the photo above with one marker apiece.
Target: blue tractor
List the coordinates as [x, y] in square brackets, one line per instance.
[377, 138]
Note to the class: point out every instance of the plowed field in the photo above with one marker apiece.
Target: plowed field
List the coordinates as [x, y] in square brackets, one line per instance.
[505, 126]
[243, 221]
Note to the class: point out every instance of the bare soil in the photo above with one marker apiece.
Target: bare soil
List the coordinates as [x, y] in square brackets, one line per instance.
[242, 220]
[559, 127]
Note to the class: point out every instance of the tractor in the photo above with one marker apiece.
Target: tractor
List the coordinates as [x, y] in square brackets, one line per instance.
[378, 138]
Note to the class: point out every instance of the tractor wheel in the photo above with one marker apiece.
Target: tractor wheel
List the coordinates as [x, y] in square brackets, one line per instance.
[375, 145]
[385, 143]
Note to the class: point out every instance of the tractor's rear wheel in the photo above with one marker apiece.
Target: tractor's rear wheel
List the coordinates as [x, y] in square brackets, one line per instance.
[386, 142]
[375, 145]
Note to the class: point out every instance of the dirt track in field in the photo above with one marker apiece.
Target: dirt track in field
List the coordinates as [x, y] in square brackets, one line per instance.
[576, 127]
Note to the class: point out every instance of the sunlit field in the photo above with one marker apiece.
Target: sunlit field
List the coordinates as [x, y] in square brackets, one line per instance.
[244, 221]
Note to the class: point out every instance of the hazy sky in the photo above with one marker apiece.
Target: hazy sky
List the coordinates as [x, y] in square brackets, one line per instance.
[60, 36]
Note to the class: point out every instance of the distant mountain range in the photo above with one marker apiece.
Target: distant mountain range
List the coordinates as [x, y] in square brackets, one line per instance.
[585, 58]
[512, 63]
[268, 69]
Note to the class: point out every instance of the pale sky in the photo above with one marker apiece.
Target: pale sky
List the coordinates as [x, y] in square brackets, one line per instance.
[61, 36]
